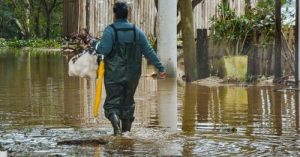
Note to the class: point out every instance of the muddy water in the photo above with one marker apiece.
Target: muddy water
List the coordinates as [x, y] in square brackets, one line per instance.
[40, 105]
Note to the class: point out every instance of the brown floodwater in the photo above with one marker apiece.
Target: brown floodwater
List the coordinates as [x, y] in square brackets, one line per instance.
[41, 105]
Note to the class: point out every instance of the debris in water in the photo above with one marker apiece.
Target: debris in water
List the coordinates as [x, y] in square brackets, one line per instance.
[85, 142]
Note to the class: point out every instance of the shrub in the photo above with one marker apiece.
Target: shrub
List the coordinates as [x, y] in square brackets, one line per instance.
[34, 43]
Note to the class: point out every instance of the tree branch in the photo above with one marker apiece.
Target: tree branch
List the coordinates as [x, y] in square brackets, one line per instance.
[195, 3]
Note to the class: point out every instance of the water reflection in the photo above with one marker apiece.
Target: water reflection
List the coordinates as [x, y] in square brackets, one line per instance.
[188, 110]
[231, 120]
[250, 110]
[35, 89]
[167, 100]
[31, 92]
[297, 98]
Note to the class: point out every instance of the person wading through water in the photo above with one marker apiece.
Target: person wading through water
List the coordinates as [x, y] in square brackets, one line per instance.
[123, 45]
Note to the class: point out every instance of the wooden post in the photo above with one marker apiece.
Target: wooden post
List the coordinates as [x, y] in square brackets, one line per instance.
[277, 70]
[253, 63]
[297, 58]
[202, 53]
[167, 35]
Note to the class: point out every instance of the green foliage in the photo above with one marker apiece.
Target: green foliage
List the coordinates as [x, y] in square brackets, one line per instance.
[33, 43]
[234, 31]
[27, 19]
[230, 29]
[264, 18]
[8, 27]
[3, 43]
[153, 42]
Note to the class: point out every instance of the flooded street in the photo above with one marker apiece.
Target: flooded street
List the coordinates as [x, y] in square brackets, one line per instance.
[41, 105]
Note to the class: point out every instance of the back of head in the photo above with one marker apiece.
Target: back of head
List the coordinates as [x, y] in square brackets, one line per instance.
[121, 10]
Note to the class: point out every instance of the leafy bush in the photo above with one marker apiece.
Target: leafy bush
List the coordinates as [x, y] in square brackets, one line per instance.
[233, 30]
[2, 43]
[230, 29]
[34, 43]
[153, 42]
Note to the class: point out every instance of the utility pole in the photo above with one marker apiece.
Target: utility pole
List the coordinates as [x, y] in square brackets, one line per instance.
[297, 59]
[278, 46]
[167, 35]
[297, 71]
[167, 51]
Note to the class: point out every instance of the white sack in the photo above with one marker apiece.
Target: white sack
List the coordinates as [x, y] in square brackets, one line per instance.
[84, 65]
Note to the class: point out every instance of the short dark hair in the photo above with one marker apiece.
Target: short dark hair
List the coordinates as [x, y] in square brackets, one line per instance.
[121, 10]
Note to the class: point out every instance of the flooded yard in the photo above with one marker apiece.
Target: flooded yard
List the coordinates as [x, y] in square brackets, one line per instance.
[40, 105]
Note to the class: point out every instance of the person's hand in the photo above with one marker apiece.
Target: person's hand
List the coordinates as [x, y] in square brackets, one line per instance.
[162, 75]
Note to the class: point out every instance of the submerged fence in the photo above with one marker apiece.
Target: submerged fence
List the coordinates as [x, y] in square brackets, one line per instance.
[261, 55]
[97, 14]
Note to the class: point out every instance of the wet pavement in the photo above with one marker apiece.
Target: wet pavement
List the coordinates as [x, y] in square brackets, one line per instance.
[41, 106]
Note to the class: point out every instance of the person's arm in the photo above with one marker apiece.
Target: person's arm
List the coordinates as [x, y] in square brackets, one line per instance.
[150, 54]
[104, 46]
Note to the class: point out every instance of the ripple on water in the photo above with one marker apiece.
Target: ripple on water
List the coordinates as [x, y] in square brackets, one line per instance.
[212, 121]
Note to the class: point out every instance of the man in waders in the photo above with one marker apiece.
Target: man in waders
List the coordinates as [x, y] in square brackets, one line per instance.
[123, 45]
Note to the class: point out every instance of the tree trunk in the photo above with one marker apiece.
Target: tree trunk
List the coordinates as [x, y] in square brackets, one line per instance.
[48, 25]
[48, 10]
[1, 27]
[20, 27]
[277, 69]
[194, 4]
[27, 20]
[37, 22]
[37, 25]
[188, 35]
